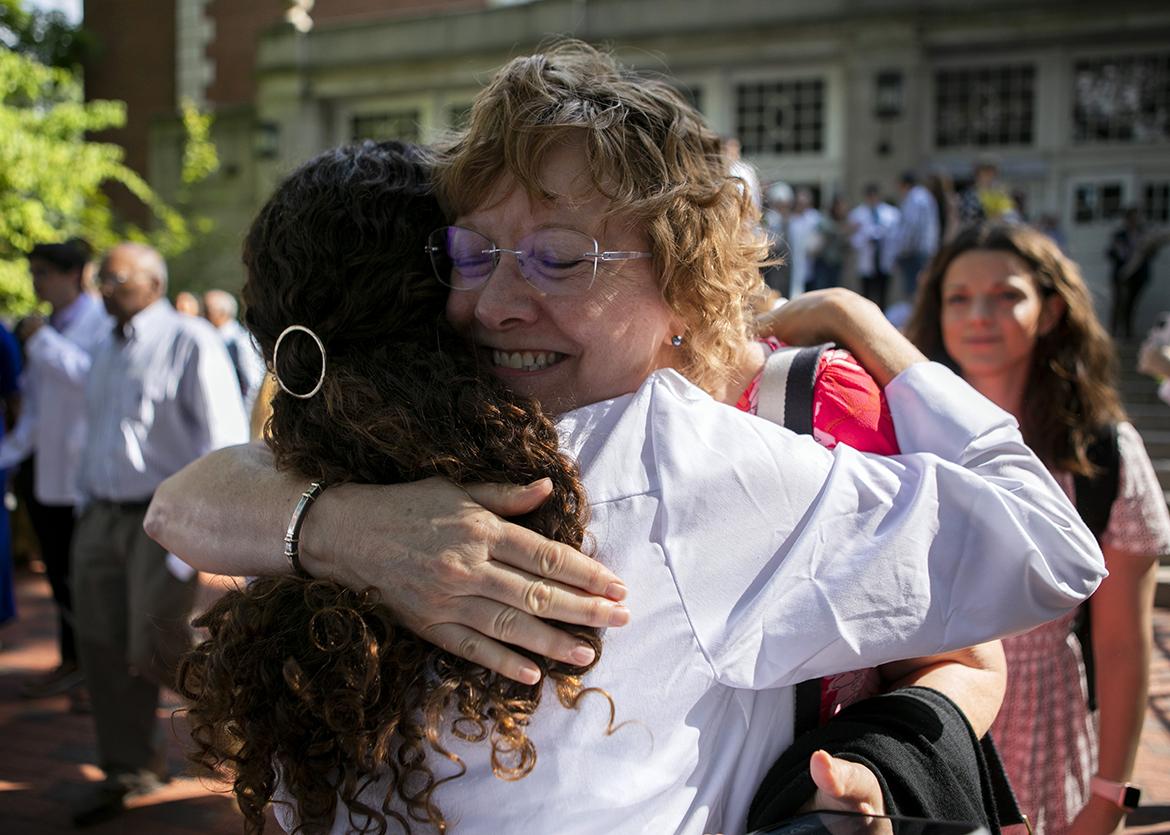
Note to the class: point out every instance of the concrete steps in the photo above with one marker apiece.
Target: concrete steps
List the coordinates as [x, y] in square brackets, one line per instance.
[1151, 417]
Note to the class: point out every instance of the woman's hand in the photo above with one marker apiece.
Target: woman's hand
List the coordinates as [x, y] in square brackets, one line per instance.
[1154, 360]
[843, 786]
[442, 558]
[852, 321]
[459, 575]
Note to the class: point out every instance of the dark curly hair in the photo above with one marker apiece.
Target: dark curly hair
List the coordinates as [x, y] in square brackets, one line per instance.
[303, 682]
[1072, 383]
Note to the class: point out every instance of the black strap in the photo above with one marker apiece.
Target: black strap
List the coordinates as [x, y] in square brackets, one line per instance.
[806, 707]
[1094, 499]
[1003, 806]
[798, 394]
[790, 374]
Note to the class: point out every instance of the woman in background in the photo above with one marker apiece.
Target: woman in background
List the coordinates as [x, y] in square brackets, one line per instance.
[1005, 307]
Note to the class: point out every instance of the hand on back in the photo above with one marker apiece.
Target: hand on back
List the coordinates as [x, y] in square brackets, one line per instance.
[455, 572]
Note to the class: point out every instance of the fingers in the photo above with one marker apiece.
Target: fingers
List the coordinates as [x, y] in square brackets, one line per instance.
[845, 785]
[480, 649]
[512, 626]
[541, 557]
[511, 499]
[548, 599]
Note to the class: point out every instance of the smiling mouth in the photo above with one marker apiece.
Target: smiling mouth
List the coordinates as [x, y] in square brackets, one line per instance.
[526, 360]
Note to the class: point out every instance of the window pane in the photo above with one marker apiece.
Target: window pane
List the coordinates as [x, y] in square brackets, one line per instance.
[984, 106]
[1122, 99]
[781, 117]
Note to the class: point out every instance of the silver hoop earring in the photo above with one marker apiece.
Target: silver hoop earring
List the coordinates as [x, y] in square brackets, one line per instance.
[676, 340]
[276, 352]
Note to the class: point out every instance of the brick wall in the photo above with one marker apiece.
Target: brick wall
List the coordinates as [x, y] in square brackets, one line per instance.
[135, 62]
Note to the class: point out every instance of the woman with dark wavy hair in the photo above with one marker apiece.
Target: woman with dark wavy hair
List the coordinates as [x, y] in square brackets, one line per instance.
[303, 681]
[1003, 305]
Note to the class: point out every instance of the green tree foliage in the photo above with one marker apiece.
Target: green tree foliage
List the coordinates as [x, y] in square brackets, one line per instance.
[47, 36]
[52, 176]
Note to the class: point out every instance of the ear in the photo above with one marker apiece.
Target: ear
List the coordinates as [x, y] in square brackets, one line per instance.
[1054, 308]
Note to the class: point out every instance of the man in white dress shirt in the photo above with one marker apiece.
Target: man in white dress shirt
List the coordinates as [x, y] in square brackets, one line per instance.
[58, 352]
[221, 309]
[917, 235]
[874, 222]
[161, 392]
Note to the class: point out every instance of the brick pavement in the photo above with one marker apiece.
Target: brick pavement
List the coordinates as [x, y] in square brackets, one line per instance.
[46, 753]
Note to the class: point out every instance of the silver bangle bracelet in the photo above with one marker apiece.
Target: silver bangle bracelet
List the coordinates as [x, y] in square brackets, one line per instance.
[292, 537]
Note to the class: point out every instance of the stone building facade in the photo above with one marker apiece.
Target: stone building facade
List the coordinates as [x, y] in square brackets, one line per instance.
[1072, 100]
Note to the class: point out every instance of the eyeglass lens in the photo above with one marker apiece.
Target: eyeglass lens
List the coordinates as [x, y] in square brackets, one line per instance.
[552, 260]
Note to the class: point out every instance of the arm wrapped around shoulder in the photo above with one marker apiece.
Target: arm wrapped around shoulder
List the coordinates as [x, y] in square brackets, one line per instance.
[845, 560]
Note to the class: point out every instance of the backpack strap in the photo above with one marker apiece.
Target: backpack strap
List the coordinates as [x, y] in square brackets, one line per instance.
[785, 394]
[1094, 500]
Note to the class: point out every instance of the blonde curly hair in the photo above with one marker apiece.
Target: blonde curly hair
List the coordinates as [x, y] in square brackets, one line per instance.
[652, 155]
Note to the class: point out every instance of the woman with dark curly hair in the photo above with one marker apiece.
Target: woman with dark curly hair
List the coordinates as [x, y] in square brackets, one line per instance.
[1005, 307]
[752, 568]
[306, 676]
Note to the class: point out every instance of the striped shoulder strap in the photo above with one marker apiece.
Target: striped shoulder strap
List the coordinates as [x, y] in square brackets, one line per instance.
[786, 387]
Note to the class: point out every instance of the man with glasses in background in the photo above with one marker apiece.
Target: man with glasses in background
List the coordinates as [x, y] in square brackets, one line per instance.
[161, 393]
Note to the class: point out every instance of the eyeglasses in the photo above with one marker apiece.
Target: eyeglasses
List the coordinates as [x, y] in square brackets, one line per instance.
[554, 261]
[113, 278]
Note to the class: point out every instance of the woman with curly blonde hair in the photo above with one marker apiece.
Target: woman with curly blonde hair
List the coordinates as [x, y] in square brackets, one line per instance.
[1003, 305]
[598, 245]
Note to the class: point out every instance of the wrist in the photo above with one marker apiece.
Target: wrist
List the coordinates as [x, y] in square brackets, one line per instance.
[315, 556]
[1122, 796]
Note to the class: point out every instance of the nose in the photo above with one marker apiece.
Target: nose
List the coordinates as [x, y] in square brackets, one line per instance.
[506, 300]
[981, 308]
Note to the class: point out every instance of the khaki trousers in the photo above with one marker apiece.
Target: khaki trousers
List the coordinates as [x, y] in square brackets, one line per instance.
[132, 626]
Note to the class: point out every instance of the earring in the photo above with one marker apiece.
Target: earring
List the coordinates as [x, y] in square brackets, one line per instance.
[676, 340]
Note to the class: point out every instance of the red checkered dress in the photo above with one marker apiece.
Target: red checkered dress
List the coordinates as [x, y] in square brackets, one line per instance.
[1044, 731]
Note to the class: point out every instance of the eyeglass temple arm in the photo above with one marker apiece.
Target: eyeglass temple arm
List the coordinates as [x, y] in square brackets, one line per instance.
[620, 256]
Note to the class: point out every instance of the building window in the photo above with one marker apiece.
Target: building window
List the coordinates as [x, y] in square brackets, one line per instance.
[1157, 202]
[1097, 202]
[781, 117]
[394, 124]
[983, 107]
[1122, 99]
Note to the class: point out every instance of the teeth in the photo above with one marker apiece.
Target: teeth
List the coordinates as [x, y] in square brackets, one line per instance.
[526, 360]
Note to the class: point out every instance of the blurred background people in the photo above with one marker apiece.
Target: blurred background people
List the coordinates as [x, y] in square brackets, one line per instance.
[986, 198]
[221, 309]
[1131, 249]
[188, 304]
[161, 392]
[51, 427]
[831, 247]
[942, 188]
[776, 216]
[1004, 306]
[874, 223]
[803, 224]
[917, 235]
[10, 395]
